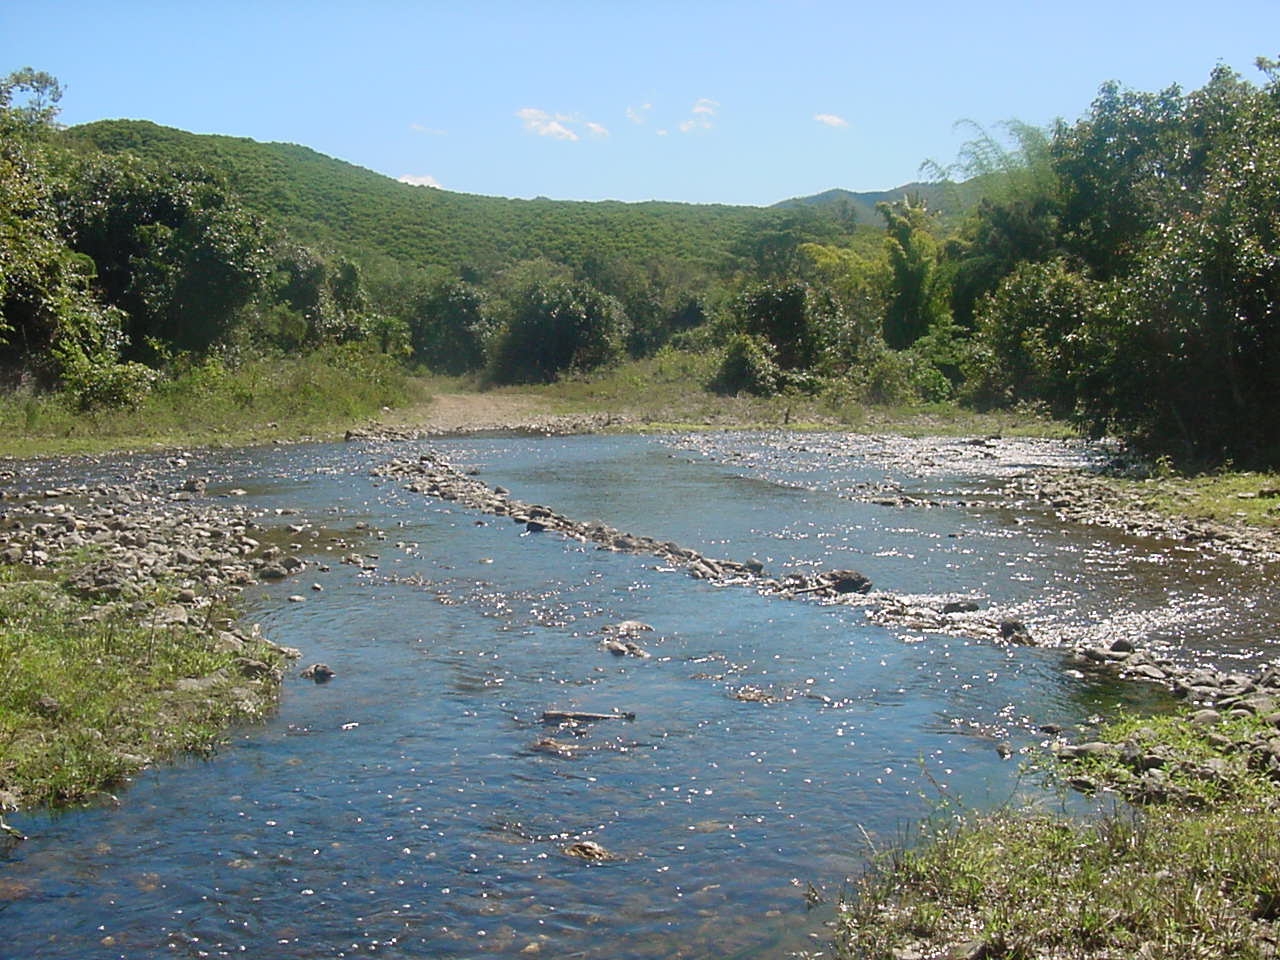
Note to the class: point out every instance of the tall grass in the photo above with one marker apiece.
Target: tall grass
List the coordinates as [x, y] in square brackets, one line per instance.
[210, 401]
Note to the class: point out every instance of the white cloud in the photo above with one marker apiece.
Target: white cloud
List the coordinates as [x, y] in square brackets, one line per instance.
[420, 180]
[663, 133]
[545, 125]
[639, 114]
[422, 128]
[597, 129]
[703, 110]
[831, 120]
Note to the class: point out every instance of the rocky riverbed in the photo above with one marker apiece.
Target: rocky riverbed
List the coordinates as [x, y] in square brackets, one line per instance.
[1076, 498]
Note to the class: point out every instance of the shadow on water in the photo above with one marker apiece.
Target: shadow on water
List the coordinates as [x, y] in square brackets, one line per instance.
[411, 807]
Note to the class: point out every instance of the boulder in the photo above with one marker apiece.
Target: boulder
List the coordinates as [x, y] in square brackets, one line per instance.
[845, 581]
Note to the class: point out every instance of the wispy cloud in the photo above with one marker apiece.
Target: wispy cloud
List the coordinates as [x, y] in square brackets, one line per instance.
[545, 125]
[596, 129]
[831, 120]
[433, 131]
[420, 180]
[639, 114]
[703, 112]
[663, 132]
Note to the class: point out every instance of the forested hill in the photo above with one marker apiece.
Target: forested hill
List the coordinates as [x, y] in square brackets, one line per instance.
[347, 208]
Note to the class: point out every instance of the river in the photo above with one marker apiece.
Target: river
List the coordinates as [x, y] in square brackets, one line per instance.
[404, 809]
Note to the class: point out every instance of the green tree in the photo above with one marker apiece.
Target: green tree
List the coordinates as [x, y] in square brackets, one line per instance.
[48, 313]
[916, 297]
[554, 326]
[449, 326]
[171, 247]
[795, 318]
[1016, 218]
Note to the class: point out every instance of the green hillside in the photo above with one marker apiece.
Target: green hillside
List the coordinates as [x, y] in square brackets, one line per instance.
[347, 208]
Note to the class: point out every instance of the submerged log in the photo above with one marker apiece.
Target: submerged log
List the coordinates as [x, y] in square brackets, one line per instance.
[560, 716]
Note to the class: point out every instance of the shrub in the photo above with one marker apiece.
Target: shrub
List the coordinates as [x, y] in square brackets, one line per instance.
[556, 326]
[748, 365]
[95, 385]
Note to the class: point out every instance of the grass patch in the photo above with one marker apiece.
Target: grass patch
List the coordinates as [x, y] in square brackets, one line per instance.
[1225, 495]
[1197, 878]
[87, 699]
[668, 390]
[211, 403]
[1189, 764]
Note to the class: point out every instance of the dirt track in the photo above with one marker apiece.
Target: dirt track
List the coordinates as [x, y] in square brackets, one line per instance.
[447, 413]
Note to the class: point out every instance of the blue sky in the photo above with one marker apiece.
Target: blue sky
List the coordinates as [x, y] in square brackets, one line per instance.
[709, 102]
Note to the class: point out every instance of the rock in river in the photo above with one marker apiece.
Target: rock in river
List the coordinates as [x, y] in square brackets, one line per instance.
[319, 672]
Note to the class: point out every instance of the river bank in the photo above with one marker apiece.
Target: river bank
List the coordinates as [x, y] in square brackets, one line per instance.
[121, 644]
[1186, 865]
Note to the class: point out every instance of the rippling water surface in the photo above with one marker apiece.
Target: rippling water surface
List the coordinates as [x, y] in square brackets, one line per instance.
[402, 811]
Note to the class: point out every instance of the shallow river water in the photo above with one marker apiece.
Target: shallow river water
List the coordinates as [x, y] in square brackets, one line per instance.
[401, 810]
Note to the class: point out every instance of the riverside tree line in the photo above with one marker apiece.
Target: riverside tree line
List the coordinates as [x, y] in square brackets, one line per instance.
[1120, 271]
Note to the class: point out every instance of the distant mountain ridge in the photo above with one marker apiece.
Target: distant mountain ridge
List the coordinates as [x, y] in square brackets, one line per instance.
[947, 199]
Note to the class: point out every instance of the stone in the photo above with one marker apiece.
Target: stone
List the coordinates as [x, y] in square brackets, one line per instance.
[1205, 718]
[319, 672]
[587, 850]
[846, 581]
[1015, 631]
[630, 626]
[1259, 705]
[959, 606]
[253, 669]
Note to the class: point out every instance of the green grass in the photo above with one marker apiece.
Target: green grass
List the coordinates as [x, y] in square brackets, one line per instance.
[1224, 495]
[1187, 751]
[668, 390]
[1199, 878]
[87, 700]
[209, 403]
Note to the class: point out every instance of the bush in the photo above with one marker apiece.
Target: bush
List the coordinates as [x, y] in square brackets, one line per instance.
[1024, 330]
[95, 385]
[557, 326]
[895, 377]
[748, 365]
[449, 327]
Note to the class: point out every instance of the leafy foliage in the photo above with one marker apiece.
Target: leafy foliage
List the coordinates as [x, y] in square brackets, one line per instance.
[171, 248]
[917, 295]
[449, 326]
[1159, 319]
[749, 366]
[555, 326]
